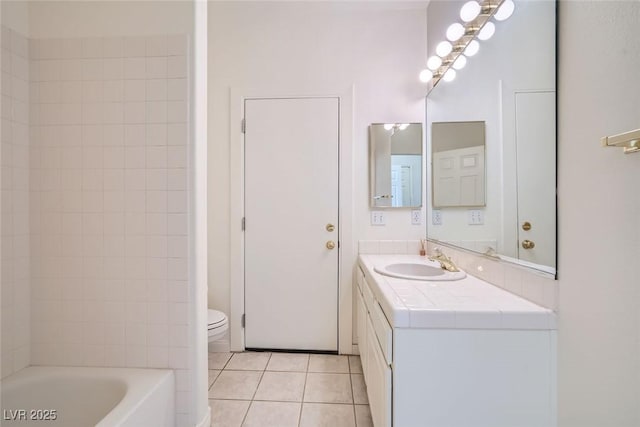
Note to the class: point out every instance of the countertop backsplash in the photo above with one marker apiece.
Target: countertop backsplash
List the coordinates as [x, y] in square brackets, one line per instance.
[520, 281]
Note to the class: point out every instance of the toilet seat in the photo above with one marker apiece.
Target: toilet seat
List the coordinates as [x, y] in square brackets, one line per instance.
[217, 324]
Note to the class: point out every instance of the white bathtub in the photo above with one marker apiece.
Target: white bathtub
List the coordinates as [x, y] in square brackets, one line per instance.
[82, 397]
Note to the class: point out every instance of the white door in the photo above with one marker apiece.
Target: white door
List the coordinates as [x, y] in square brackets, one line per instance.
[291, 205]
[459, 177]
[536, 160]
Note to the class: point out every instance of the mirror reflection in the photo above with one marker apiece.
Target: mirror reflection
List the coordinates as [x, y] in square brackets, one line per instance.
[396, 165]
[458, 164]
[509, 86]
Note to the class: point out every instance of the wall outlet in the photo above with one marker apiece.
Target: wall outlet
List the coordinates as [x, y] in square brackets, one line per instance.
[416, 217]
[436, 217]
[377, 218]
[476, 217]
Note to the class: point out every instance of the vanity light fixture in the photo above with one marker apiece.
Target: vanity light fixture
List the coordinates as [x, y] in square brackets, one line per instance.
[449, 75]
[394, 127]
[455, 31]
[460, 62]
[470, 11]
[443, 49]
[487, 31]
[434, 62]
[505, 10]
[425, 75]
[472, 48]
[628, 141]
[463, 39]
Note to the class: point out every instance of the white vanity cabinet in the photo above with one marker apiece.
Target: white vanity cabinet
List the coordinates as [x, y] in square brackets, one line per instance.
[375, 366]
[458, 365]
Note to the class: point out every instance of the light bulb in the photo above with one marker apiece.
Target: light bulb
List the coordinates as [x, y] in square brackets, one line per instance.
[403, 126]
[469, 11]
[443, 49]
[505, 10]
[449, 75]
[460, 62]
[425, 75]
[388, 126]
[487, 31]
[455, 31]
[472, 48]
[434, 63]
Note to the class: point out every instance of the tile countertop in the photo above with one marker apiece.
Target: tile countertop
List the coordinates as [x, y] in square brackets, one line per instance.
[469, 303]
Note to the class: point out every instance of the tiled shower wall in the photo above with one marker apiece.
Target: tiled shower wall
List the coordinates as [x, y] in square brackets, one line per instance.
[109, 196]
[14, 230]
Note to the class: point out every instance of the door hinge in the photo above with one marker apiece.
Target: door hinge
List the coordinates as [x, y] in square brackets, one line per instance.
[243, 224]
[243, 125]
[243, 320]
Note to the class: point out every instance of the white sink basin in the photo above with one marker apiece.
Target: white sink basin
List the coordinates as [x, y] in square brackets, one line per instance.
[418, 271]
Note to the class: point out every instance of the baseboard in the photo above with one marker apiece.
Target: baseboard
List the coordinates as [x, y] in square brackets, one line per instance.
[219, 346]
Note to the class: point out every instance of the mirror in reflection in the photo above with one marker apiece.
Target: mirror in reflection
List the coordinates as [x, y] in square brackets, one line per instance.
[395, 151]
[509, 87]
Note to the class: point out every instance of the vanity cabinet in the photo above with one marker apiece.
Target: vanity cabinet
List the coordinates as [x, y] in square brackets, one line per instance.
[449, 366]
[376, 368]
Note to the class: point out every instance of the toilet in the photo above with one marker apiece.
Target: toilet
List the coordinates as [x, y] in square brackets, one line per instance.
[218, 324]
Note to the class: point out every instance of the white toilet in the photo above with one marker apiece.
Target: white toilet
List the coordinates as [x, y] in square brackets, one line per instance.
[218, 324]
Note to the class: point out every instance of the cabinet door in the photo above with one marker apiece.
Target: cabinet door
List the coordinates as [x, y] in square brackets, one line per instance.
[362, 332]
[379, 381]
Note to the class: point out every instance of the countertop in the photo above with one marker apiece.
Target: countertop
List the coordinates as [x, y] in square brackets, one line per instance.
[469, 303]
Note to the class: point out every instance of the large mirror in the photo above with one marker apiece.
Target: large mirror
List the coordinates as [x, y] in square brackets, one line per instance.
[395, 155]
[509, 87]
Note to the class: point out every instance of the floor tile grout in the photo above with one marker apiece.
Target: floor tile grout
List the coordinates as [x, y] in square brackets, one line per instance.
[302, 403]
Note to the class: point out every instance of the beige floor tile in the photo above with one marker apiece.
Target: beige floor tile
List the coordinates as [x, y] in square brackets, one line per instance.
[213, 374]
[328, 388]
[329, 363]
[249, 361]
[218, 360]
[240, 385]
[363, 416]
[359, 389]
[272, 414]
[324, 415]
[281, 386]
[291, 362]
[228, 413]
[355, 365]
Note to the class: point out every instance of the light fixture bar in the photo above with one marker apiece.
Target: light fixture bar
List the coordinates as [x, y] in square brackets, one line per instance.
[471, 29]
[629, 141]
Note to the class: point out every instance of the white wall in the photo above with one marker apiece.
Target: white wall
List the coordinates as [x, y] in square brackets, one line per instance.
[599, 207]
[291, 47]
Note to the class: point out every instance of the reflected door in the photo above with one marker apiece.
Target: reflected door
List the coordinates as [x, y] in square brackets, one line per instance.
[536, 160]
[291, 195]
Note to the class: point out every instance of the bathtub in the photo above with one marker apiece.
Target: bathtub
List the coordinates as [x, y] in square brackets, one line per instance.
[82, 397]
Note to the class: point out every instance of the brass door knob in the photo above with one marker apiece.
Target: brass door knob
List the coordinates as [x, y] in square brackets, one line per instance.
[528, 244]
[330, 227]
[331, 244]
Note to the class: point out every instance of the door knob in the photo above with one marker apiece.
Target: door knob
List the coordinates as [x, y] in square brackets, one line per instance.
[526, 226]
[528, 244]
[330, 227]
[331, 244]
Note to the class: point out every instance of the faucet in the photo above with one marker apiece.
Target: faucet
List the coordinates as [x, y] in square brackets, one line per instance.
[445, 262]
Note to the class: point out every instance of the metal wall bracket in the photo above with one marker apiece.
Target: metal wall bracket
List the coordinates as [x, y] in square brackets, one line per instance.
[628, 141]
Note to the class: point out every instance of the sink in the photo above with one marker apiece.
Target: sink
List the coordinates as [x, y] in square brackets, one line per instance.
[418, 271]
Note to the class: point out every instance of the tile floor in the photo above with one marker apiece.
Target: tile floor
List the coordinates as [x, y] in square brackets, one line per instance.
[287, 389]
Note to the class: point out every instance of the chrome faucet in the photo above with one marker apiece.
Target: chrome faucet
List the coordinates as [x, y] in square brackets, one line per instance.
[445, 262]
